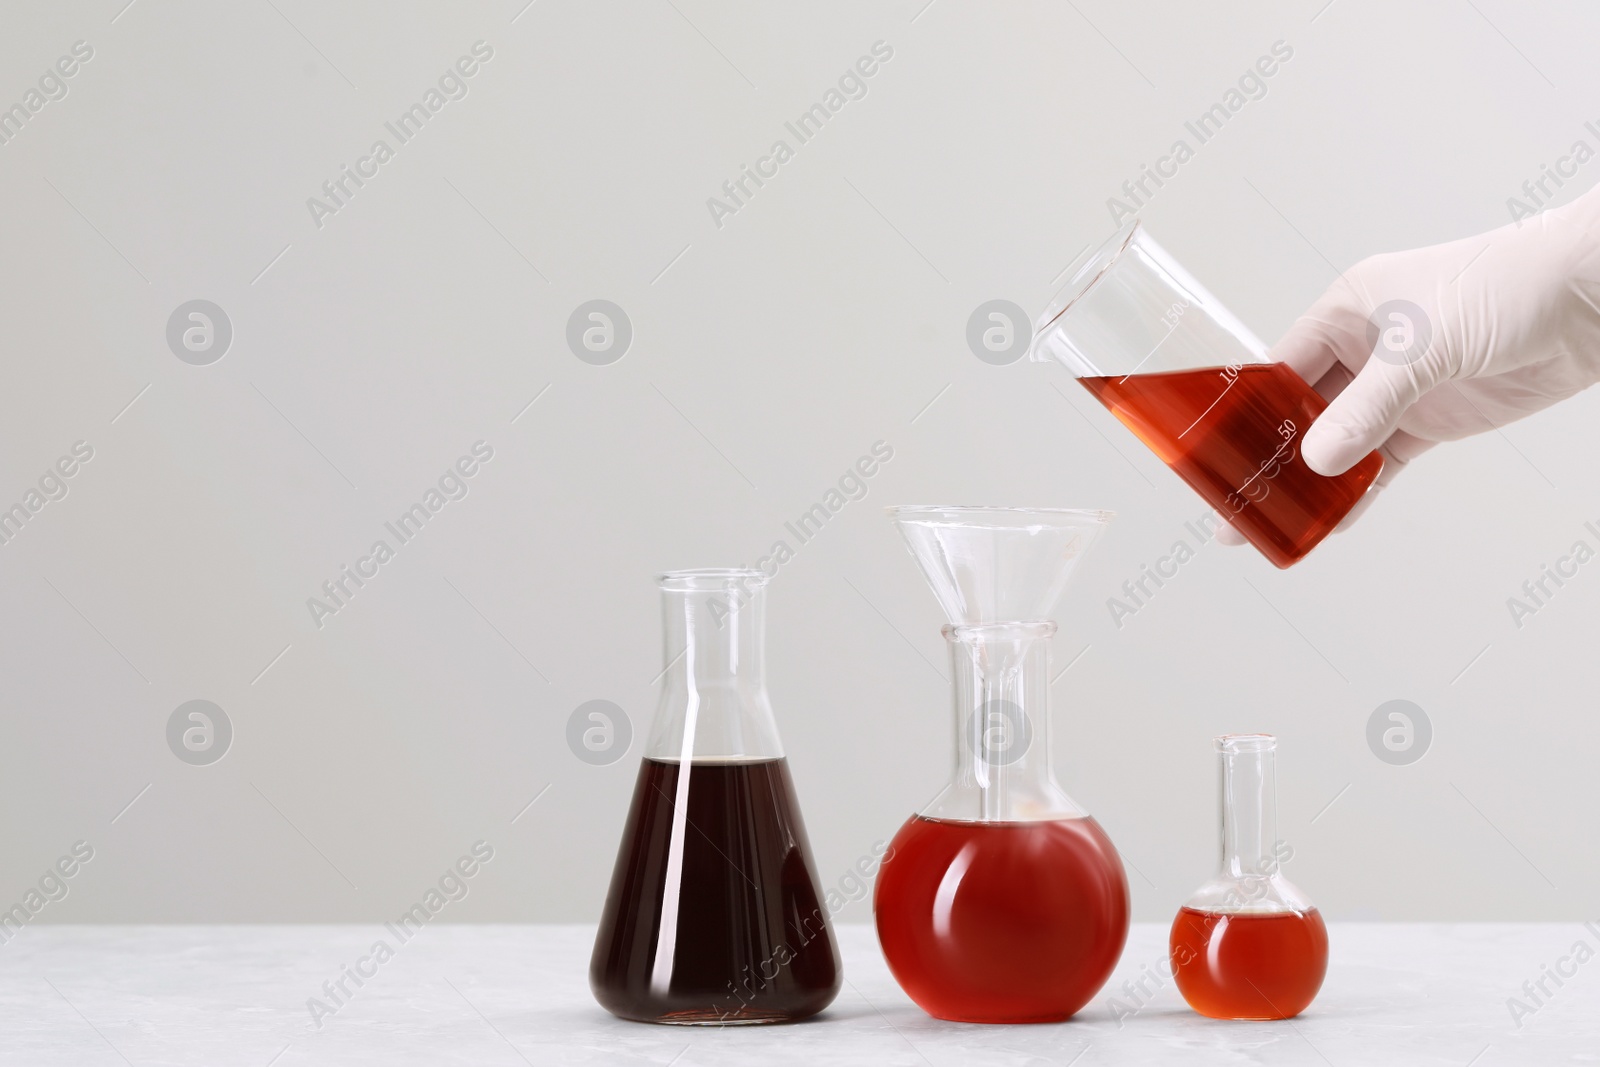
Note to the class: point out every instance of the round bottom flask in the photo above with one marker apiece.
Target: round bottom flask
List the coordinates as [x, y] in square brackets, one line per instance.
[1002, 922]
[1249, 944]
[1002, 901]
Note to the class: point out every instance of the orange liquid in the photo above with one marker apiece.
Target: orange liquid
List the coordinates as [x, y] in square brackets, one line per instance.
[1249, 966]
[1235, 438]
[1001, 922]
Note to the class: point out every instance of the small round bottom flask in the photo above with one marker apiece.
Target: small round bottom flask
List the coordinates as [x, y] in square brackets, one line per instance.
[1249, 944]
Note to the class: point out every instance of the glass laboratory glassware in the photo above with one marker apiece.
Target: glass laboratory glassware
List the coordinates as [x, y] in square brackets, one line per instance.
[1180, 371]
[1249, 944]
[1002, 901]
[714, 916]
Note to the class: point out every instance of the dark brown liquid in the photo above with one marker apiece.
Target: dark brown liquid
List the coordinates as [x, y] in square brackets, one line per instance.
[746, 930]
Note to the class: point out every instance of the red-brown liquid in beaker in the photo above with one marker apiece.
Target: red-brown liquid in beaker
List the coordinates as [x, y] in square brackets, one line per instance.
[1231, 966]
[1001, 922]
[1234, 435]
[747, 927]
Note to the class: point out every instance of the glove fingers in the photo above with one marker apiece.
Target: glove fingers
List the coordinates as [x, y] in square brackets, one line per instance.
[1329, 347]
[1398, 451]
[1365, 414]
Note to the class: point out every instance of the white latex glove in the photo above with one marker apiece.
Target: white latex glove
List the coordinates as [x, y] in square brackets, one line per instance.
[1509, 324]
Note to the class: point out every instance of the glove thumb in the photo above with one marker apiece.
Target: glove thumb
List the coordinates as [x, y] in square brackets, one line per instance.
[1394, 349]
[1367, 412]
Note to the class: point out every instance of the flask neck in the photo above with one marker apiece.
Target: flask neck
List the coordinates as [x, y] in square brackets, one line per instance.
[713, 689]
[715, 639]
[1249, 805]
[1000, 682]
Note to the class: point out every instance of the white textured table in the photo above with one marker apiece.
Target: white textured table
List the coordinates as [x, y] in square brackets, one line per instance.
[489, 995]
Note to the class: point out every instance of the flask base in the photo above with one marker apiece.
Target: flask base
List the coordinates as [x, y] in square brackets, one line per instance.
[1001, 922]
[727, 895]
[1249, 966]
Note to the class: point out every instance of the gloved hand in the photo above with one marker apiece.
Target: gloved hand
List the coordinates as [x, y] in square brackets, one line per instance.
[1435, 344]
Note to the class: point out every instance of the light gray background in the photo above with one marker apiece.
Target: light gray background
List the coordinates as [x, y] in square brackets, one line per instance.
[768, 355]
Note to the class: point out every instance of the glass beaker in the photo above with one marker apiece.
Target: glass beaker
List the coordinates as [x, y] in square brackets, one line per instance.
[714, 915]
[1180, 371]
[1002, 900]
[1249, 944]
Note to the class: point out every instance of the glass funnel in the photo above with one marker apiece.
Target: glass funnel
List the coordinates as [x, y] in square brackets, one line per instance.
[1175, 366]
[1249, 944]
[714, 914]
[1002, 901]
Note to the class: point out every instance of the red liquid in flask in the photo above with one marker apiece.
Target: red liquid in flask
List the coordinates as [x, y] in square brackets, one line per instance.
[1001, 922]
[745, 923]
[1234, 435]
[1232, 966]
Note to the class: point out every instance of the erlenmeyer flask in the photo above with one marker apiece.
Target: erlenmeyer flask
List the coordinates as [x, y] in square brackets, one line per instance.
[714, 916]
[1002, 901]
[1174, 365]
[1249, 944]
